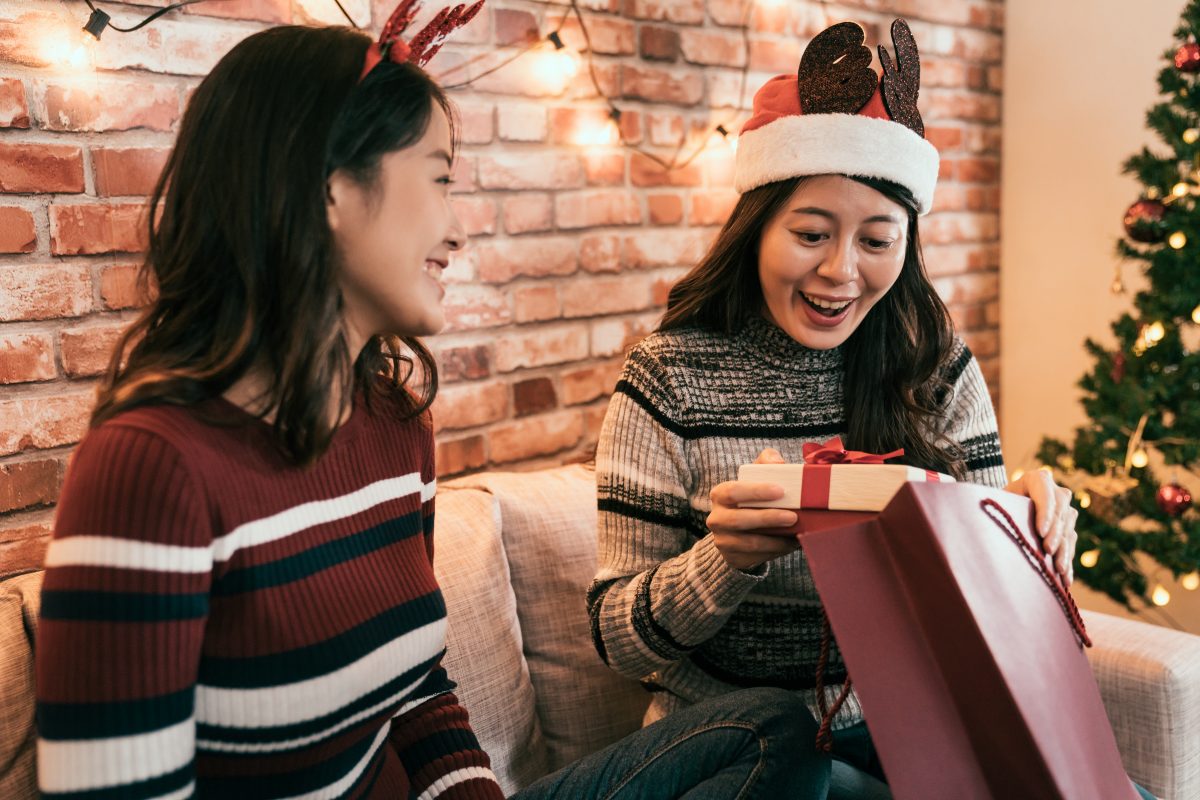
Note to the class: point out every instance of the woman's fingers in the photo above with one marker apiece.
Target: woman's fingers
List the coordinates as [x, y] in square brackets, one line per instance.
[745, 550]
[732, 493]
[770, 456]
[749, 519]
[1040, 488]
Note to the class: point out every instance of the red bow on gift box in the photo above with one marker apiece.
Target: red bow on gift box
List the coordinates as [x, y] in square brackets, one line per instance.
[832, 452]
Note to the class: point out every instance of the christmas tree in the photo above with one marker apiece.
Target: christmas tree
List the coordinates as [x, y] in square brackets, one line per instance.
[1143, 398]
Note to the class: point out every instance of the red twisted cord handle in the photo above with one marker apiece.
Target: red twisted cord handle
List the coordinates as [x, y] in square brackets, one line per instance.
[1038, 562]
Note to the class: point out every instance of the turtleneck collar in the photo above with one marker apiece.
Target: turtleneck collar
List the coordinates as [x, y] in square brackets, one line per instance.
[769, 342]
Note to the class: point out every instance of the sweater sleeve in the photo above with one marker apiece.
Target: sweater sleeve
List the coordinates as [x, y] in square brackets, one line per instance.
[971, 421]
[126, 594]
[662, 587]
[432, 735]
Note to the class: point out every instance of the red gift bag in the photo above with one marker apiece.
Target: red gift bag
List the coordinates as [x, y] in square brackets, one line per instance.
[967, 656]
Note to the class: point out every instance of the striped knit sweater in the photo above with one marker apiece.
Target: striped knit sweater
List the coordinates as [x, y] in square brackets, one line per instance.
[219, 623]
[690, 407]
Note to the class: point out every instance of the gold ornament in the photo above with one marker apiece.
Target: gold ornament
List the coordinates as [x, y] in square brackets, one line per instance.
[1177, 240]
[1152, 193]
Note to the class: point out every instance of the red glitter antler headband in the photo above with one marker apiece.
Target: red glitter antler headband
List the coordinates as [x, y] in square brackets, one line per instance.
[425, 44]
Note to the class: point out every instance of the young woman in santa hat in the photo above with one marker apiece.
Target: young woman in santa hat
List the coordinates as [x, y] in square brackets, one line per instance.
[239, 599]
[811, 316]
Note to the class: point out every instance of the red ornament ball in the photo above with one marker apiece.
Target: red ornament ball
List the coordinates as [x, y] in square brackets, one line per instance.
[1143, 221]
[1187, 58]
[1173, 499]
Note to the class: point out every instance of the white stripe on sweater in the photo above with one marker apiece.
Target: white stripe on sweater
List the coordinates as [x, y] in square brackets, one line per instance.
[318, 512]
[454, 778]
[78, 765]
[343, 784]
[296, 702]
[116, 553]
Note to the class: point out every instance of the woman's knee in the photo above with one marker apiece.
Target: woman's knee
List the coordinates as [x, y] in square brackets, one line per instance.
[772, 709]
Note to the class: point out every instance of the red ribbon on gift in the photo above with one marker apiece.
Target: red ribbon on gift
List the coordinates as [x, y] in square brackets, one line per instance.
[819, 458]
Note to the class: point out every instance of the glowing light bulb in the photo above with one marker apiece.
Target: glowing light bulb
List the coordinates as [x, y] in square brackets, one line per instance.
[1196, 315]
[597, 135]
[1191, 581]
[1161, 596]
[1084, 498]
[1140, 458]
[1191, 136]
[1089, 559]
[1179, 190]
[1155, 332]
[1152, 193]
[1177, 240]
[69, 50]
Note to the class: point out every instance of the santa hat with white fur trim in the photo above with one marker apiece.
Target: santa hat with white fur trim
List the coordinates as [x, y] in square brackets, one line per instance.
[838, 116]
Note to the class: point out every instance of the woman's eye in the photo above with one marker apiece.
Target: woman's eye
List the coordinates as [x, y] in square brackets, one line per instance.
[809, 237]
[877, 244]
[446, 180]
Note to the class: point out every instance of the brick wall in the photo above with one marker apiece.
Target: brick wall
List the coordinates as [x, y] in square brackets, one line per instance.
[574, 246]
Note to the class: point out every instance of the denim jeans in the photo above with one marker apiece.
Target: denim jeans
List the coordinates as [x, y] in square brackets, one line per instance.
[755, 743]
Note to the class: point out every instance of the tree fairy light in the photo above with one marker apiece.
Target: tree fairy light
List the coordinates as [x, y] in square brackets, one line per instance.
[1161, 596]
[1177, 240]
[1089, 558]
[1191, 581]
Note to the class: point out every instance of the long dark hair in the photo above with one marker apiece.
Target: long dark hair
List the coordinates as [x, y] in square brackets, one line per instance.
[241, 258]
[894, 385]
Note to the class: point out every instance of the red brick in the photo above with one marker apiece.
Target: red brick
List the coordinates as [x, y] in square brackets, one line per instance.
[615, 335]
[995, 79]
[658, 44]
[983, 138]
[469, 362]
[718, 164]
[119, 287]
[645, 171]
[40, 168]
[91, 229]
[463, 174]
[533, 396]
[984, 344]
[774, 55]
[666, 129]
[541, 347]
[127, 171]
[971, 288]
[475, 123]
[17, 233]
[725, 90]
[513, 171]
[608, 77]
[947, 104]
[44, 292]
[470, 307]
[663, 249]
[279, 11]
[665, 209]
[991, 314]
[515, 27]
[111, 106]
[468, 405]
[944, 73]
[535, 304]
[712, 207]
[477, 214]
[526, 213]
[536, 436]
[579, 125]
[661, 86]
[597, 208]
[604, 169]
[612, 37]
[600, 254]
[944, 137]
[459, 455]
[23, 546]
[28, 484]
[713, 48]
[86, 350]
[688, 12]
[594, 297]
[522, 122]
[26, 357]
[14, 109]
[39, 423]
[978, 170]
[593, 422]
[17, 46]
[500, 262]
[590, 383]
[949, 228]
[948, 259]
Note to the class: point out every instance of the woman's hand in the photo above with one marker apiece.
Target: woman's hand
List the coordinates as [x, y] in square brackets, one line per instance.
[736, 530]
[1055, 517]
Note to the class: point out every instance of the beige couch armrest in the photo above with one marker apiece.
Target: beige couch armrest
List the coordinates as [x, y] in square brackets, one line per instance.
[1149, 678]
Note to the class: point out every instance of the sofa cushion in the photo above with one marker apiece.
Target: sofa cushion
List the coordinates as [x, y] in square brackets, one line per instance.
[1149, 677]
[484, 637]
[548, 522]
[18, 740]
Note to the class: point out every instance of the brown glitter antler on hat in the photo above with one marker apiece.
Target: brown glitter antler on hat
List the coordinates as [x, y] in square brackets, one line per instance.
[835, 74]
[901, 81]
[426, 43]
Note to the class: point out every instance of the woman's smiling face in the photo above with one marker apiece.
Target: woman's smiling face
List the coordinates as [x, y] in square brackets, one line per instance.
[827, 258]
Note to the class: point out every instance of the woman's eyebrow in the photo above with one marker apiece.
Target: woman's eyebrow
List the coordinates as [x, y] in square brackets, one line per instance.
[821, 212]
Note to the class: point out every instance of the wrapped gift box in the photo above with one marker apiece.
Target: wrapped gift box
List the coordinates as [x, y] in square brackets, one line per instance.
[837, 487]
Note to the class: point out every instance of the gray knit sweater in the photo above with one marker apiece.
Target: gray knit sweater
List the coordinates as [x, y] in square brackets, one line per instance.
[690, 407]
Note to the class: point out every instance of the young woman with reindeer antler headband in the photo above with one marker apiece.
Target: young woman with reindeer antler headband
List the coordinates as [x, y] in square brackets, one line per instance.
[810, 317]
[239, 599]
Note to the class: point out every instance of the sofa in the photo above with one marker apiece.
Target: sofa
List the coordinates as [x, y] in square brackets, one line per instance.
[515, 553]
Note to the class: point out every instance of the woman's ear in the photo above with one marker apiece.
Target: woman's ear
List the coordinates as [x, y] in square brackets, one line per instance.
[339, 196]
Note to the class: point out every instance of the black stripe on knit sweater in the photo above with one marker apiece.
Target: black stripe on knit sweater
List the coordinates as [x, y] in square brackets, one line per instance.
[151, 787]
[595, 602]
[703, 430]
[656, 637]
[644, 514]
[834, 675]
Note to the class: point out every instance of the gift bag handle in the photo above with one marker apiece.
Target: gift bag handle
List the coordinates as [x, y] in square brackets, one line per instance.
[1065, 601]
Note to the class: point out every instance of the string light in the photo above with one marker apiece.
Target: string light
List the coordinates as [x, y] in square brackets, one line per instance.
[1179, 190]
[1155, 332]
[1085, 499]
[1140, 458]
[1178, 240]
[1196, 315]
[1089, 559]
[1191, 136]
[1191, 581]
[1161, 596]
